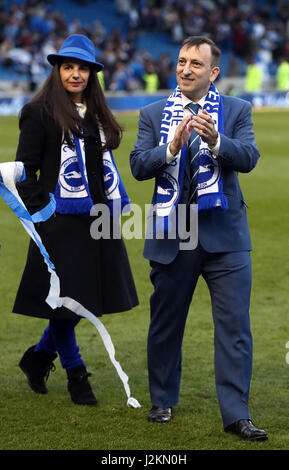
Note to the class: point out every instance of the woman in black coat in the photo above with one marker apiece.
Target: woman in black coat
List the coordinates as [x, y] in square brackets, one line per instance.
[64, 131]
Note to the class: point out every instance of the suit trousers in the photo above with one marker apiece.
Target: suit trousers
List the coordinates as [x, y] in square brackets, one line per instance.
[228, 276]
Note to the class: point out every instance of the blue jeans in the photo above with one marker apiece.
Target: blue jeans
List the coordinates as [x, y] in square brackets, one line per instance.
[59, 337]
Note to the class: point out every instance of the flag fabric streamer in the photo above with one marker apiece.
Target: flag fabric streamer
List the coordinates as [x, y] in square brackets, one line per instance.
[11, 173]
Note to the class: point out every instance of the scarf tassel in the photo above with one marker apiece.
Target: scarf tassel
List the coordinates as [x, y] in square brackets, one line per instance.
[214, 201]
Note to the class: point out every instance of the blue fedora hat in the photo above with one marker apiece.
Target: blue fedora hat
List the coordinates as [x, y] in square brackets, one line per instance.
[77, 46]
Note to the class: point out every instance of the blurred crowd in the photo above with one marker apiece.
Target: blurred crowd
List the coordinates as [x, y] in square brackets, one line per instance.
[251, 32]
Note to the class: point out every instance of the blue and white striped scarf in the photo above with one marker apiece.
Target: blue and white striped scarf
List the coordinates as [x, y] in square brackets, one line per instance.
[169, 184]
[72, 194]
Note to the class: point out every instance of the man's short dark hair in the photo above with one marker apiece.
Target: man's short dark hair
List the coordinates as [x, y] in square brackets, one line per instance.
[197, 41]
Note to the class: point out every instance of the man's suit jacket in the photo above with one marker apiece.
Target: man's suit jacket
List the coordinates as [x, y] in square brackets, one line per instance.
[218, 231]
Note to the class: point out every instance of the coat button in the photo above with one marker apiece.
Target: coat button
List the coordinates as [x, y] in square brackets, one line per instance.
[157, 164]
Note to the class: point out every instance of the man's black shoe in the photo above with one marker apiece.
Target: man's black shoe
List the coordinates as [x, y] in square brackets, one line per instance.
[160, 415]
[245, 429]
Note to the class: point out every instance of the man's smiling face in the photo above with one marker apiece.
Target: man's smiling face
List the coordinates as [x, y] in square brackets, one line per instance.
[195, 71]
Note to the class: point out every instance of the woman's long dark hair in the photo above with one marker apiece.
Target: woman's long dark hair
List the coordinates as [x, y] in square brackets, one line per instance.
[59, 105]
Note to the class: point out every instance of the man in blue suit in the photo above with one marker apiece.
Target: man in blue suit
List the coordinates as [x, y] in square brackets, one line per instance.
[225, 140]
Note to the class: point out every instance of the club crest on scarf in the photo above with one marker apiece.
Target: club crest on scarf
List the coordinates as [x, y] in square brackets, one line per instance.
[110, 177]
[72, 194]
[167, 190]
[209, 171]
[70, 177]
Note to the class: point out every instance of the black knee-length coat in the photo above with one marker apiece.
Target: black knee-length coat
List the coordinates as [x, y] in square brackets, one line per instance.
[95, 273]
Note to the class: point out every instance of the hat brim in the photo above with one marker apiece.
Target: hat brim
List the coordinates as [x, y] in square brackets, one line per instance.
[53, 58]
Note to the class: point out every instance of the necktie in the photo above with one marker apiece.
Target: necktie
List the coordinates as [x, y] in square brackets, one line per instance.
[193, 153]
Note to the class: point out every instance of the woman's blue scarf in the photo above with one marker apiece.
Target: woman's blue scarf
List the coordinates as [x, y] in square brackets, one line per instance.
[72, 194]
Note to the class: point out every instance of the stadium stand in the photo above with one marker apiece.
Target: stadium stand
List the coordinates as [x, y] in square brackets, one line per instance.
[134, 37]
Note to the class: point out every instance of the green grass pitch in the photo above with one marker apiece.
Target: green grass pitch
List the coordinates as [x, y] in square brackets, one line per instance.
[33, 422]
